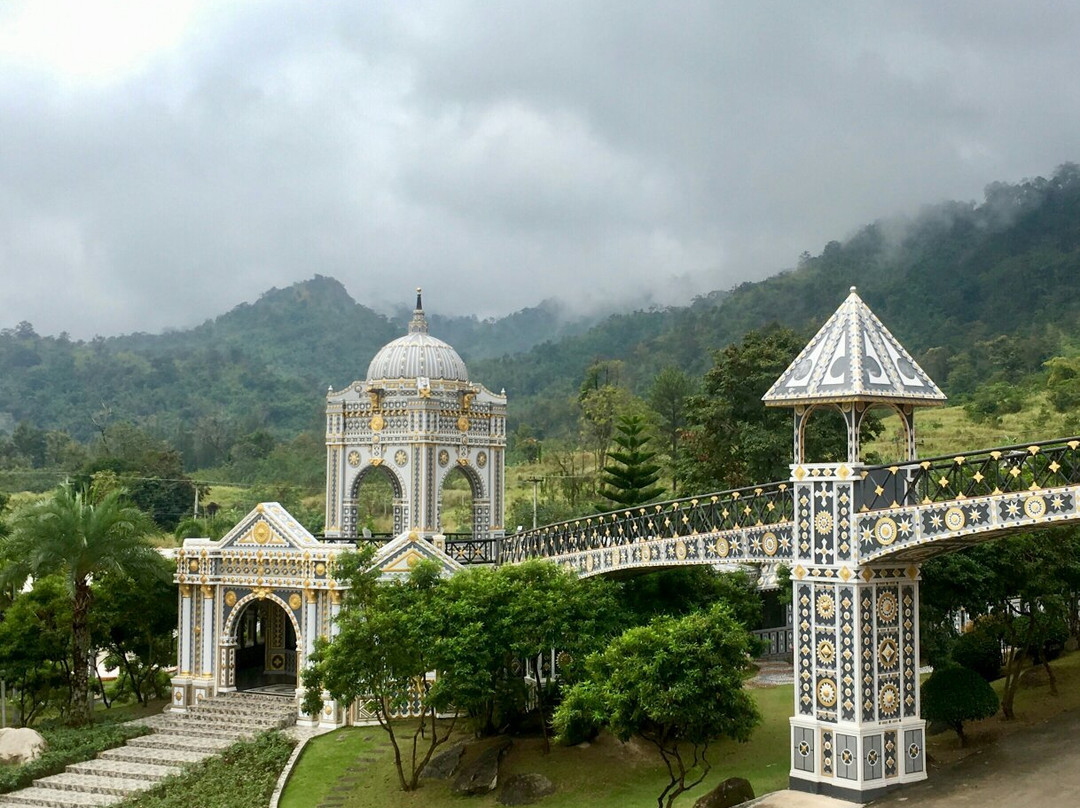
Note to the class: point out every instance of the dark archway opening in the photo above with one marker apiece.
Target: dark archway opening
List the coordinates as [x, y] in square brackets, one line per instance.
[265, 648]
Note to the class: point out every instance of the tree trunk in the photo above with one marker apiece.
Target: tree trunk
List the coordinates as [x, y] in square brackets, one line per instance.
[80, 654]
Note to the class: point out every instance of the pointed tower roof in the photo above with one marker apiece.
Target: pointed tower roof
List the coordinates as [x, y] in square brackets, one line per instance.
[853, 358]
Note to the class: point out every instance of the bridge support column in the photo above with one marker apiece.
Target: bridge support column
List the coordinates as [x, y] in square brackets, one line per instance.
[856, 730]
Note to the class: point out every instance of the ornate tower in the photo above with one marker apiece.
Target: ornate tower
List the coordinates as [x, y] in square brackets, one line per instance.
[856, 729]
[414, 419]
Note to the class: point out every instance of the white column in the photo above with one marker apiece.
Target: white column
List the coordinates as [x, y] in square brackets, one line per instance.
[335, 610]
[311, 625]
[186, 630]
[208, 631]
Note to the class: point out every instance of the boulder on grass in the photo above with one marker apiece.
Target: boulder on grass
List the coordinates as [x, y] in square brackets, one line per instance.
[20, 745]
[731, 792]
[481, 775]
[444, 764]
[525, 789]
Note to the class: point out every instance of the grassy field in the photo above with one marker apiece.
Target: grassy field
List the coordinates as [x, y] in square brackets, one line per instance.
[604, 774]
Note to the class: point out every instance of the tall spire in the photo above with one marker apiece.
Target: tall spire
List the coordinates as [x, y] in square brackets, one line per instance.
[418, 323]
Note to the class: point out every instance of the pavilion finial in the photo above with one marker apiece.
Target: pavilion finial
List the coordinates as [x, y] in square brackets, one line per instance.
[418, 324]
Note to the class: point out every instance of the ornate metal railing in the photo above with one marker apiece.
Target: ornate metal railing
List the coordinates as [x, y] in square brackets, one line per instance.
[1007, 469]
[465, 549]
[462, 547]
[708, 513]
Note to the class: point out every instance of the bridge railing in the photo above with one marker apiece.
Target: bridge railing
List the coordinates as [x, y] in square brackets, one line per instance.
[462, 547]
[1005, 469]
[709, 513]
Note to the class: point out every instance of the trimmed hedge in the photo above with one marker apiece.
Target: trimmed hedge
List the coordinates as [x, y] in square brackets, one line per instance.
[244, 774]
[67, 746]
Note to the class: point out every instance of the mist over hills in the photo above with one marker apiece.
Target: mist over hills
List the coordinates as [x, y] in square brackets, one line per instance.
[975, 291]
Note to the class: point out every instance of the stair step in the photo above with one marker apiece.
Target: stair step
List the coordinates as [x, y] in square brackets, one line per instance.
[123, 768]
[159, 757]
[54, 798]
[195, 730]
[193, 743]
[93, 784]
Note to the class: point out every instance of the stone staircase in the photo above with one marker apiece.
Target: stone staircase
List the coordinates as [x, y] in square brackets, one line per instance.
[177, 740]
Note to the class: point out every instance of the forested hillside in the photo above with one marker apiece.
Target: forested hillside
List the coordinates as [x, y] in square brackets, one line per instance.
[978, 292]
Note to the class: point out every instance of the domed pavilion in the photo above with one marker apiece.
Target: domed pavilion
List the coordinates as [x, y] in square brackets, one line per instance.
[415, 419]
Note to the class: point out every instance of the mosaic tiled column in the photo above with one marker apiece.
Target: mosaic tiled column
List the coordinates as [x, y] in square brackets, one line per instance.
[856, 729]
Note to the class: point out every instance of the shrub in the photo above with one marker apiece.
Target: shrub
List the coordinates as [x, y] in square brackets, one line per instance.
[955, 695]
[979, 650]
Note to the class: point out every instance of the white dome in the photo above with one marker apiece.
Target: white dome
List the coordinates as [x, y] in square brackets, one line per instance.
[417, 355]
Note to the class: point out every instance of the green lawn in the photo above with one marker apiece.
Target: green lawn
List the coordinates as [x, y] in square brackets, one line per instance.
[605, 774]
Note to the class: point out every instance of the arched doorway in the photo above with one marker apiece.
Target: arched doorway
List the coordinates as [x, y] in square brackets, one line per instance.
[377, 504]
[266, 655]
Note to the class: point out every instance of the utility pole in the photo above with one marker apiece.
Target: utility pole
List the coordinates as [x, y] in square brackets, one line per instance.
[3, 703]
[535, 481]
[196, 501]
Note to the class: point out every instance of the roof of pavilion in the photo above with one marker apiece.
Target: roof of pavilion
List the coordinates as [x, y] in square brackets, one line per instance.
[853, 358]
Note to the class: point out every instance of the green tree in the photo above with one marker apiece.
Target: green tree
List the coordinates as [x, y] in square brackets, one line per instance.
[630, 476]
[504, 624]
[677, 683]
[35, 649]
[684, 590]
[134, 623]
[1019, 587]
[382, 653]
[70, 535]
[955, 695]
[669, 398]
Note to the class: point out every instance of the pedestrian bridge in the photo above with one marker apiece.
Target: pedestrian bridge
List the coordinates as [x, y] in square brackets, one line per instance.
[900, 512]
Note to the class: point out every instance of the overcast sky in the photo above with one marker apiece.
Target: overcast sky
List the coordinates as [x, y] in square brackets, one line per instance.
[163, 162]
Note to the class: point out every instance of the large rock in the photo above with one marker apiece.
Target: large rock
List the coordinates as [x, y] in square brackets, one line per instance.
[525, 789]
[444, 764]
[481, 775]
[733, 791]
[20, 745]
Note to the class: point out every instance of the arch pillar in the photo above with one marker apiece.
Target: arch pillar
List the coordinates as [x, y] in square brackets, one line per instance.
[856, 730]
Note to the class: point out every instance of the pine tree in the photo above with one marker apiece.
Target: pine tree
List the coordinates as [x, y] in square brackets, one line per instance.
[630, 476]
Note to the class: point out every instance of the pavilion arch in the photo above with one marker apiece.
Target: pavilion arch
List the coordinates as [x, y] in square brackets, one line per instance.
[480, 505]
[854, 414]
[228, 634]
[399, 505]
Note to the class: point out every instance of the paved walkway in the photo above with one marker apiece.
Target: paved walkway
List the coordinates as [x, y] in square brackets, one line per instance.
[1037, 766]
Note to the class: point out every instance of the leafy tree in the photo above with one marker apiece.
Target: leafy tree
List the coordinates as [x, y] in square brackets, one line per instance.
[630, 476]
[955, 695]
[601, 398]
[668, 398]
[1018, 586]
[70, 535]
[676, 683]
[684, 590]
[134, 623]
[502, 622]
[382, 653]
[35, 649]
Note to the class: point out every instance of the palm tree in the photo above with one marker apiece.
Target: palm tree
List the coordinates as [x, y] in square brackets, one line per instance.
[70, 534]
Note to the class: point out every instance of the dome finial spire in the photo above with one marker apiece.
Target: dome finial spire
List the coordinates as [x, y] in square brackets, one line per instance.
[418, 323]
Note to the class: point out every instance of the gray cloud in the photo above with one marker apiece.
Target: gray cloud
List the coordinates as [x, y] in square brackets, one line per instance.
[497, 154]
